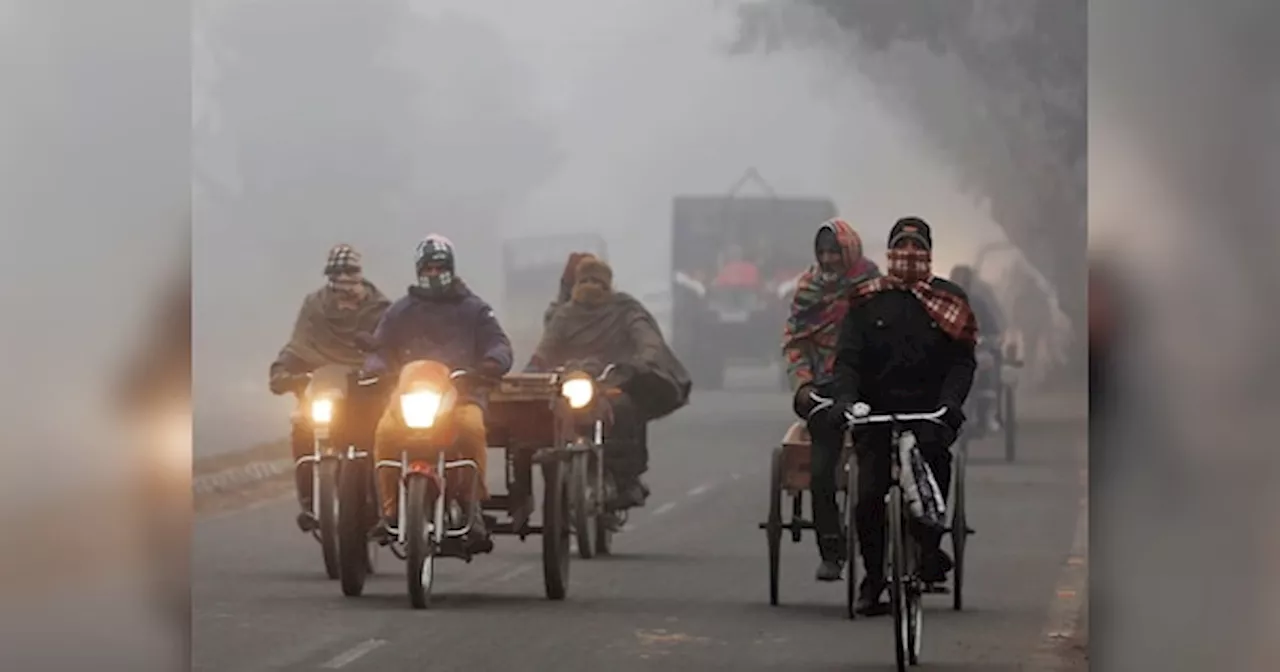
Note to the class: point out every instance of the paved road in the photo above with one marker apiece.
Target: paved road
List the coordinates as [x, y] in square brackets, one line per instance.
[687, 590]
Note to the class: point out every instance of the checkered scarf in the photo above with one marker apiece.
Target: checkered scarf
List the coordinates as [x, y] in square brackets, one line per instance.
[911, 270]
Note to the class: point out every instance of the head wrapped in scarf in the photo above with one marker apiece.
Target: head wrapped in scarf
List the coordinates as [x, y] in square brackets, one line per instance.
[839, 236]
[593, 281]
[569, 277]
[345, 274]
[910, 251]
[819, 304]
[911, 269]
[435, 252]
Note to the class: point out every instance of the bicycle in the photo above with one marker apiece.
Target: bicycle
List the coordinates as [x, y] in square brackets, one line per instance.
[903, 558]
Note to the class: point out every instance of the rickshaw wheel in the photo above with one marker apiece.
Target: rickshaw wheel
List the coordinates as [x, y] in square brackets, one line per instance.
[773, 528]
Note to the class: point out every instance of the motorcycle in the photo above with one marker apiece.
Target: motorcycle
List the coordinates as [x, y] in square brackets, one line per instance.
[322, 401]
[581, 412]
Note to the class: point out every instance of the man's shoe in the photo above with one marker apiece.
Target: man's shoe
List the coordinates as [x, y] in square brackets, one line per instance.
[869, 603]
[632, 496]
[830, 570]
[936, 566]
[382, 532]
[478, 539]
[307, 522]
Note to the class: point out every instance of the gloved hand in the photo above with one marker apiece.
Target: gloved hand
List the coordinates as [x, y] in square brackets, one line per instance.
[842, 412]
[285, 383]
[953, 418]
[801, 404]
[491, 369]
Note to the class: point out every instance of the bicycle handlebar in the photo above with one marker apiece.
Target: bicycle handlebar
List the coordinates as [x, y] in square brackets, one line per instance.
[935, 417]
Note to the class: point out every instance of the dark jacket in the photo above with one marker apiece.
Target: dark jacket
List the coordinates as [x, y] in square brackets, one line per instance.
[893, 356]
[459, 330]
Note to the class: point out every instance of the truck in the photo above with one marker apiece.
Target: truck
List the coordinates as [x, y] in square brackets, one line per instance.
[735, 263]
[531, 267]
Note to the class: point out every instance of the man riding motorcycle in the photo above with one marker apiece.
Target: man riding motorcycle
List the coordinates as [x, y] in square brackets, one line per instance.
[604, 325]
[906, 345]
[991, 325]
[442, 320]
[324, 333]
[809, 346]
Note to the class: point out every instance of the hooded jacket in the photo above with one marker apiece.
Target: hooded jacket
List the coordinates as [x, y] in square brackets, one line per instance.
[818, 308]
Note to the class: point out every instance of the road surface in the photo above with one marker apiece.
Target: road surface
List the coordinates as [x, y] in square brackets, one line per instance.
[687, 589]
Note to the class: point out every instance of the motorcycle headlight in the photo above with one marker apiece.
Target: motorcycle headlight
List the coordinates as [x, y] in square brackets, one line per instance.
[420, 408]
[578, 392]
[322, 411]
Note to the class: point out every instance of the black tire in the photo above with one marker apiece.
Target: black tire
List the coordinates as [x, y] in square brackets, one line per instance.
[354, 552]
[328, 517]
[1010, 421]
[583, 495]
[555, 530]
[773, 526]
[897, 579]
[420, 557]
[959, 526]
[604, 519]
[915, 604]
[851, 537]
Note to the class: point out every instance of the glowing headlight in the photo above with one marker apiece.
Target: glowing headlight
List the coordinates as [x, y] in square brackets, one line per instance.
[578, 391]
[420, 408]
[322, 411]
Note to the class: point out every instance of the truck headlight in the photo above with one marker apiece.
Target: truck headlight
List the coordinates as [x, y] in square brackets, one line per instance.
[420, 408]
[578, 392]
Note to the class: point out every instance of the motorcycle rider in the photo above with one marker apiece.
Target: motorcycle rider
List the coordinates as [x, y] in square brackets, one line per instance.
[991, 324]
[442, 320]
[906, 345]
[613, 327]
[324, 333]
[567, 279]
[809, 347]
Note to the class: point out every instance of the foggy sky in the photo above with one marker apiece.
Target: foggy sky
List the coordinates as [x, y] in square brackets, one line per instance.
[639, 102]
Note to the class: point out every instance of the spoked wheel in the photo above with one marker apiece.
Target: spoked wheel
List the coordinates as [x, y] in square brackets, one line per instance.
[355, 553]
[897, 577]
[959, 527]
[327, 498]
[607, 522]
[773, 526]
[1010, 421]
[420, 552]
[555, 530]
[582, 504]
[851, 536]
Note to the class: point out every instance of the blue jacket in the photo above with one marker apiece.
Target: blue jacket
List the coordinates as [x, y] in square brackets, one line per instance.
[459, 330]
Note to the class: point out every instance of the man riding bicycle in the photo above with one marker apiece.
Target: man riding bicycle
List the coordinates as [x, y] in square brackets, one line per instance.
[324, 333]
[809, 345]
[442, 320]
[906, 345]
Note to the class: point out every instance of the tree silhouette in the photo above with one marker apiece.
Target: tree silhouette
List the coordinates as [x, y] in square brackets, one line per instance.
[1022, 144]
